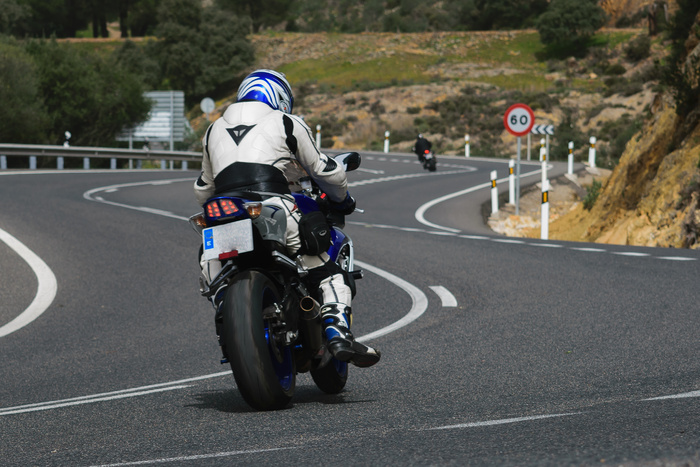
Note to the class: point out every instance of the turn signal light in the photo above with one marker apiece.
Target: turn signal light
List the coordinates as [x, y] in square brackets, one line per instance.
[254, 209]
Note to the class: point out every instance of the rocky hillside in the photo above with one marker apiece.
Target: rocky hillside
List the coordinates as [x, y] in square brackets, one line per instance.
[650, 199]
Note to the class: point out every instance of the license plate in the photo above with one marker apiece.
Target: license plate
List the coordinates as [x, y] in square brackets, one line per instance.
[234, 236]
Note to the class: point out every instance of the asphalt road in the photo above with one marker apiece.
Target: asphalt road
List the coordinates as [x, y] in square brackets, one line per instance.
[552, 353]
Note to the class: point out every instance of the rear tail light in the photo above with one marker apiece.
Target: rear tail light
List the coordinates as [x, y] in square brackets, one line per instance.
[221, 208]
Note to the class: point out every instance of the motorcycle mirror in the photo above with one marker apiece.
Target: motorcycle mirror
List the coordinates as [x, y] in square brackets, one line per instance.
[349, 160]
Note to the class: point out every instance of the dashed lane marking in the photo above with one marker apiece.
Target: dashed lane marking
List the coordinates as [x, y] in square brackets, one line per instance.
[446, 297]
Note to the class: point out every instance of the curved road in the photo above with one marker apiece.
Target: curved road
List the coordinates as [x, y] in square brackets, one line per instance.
[496, 351]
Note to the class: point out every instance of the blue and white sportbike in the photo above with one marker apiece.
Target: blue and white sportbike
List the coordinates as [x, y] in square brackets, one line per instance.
[269, 325]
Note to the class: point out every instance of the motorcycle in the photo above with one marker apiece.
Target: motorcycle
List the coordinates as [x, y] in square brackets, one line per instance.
[268, 324]
[429, 161]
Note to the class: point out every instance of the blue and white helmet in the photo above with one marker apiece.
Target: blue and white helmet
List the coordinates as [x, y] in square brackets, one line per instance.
[269, 87]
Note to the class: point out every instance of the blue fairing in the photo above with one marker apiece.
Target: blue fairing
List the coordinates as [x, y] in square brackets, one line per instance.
[305, 203]
[337, 238]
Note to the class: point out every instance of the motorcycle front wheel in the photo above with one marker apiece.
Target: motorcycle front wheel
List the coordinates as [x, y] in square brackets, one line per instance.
[263, 369]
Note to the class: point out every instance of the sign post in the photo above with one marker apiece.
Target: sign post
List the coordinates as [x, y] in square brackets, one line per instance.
[518, 120]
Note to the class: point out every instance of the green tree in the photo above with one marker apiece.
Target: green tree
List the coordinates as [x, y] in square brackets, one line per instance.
[135, 59]
[22, 112]
[89, 96]
[200, 50]
[568, 24]
[14, 15]
[142, 17]
[261, 12]
[507, 14]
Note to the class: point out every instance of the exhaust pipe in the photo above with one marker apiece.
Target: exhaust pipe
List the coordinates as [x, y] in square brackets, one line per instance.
[310, 324]
[310, 309]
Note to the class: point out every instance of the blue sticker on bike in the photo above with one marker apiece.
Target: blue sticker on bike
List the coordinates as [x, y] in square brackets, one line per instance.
[208, 239]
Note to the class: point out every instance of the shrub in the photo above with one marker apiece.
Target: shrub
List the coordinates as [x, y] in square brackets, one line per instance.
[592, 193]
[638, 49]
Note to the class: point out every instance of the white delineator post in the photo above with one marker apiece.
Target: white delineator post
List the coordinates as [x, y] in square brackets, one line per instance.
[543, 150]
[544, 230]
[386, 141]
[543, 158]
[466, 145]
[494, 193]
[591, 152]
[318, 136]
[570, 167]
[511, 182]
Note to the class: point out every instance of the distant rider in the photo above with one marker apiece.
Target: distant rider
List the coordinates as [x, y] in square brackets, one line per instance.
[422, 146]
[257, 145]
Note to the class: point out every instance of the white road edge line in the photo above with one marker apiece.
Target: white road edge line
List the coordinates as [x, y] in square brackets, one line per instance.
[103, 395]
[419, 299]
[420, 212]
[90, 401]
[448, 300]
[675, 396]
[46, 291]
[419, 305]
[197, 457]
[501, 422]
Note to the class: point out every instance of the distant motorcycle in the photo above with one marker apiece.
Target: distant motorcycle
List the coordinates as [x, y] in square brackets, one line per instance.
[429, 161]
[269, 325]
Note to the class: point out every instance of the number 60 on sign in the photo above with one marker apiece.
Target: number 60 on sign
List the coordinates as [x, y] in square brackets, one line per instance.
[519, 119]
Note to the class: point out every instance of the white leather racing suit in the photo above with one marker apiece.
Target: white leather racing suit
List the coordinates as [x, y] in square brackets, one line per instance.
[250, 133]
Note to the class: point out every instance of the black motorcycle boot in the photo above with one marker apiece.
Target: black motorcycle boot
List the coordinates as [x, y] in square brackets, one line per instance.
[341, 343]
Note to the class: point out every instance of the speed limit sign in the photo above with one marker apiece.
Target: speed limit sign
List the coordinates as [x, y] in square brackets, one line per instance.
[519, 119]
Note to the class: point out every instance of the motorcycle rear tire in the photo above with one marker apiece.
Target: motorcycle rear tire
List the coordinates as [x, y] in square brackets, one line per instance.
[331, 378]
[264, 371]
[432, 165]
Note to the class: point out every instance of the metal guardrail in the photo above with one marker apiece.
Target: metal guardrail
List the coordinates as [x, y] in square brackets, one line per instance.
[86, 153]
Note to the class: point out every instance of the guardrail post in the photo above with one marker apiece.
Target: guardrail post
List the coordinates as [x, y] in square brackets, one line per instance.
[32, 162]
[386, 141]
[162, 164]
[511, 182]
[3, 162]
[544, 230]
[59, 163]
[184, 165]
[86, 163]
[494, 193]
[466, 146]
[113, 163]
[591, 152]
[571, 158]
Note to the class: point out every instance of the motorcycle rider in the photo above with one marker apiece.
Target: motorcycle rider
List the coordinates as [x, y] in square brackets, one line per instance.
[258, 145]
[420, 147]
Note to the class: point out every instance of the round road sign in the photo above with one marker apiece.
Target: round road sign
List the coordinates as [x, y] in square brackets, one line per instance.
[207, 105]
[519, 119]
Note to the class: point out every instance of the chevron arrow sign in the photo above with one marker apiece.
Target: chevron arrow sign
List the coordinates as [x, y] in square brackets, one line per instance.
[542, 130]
